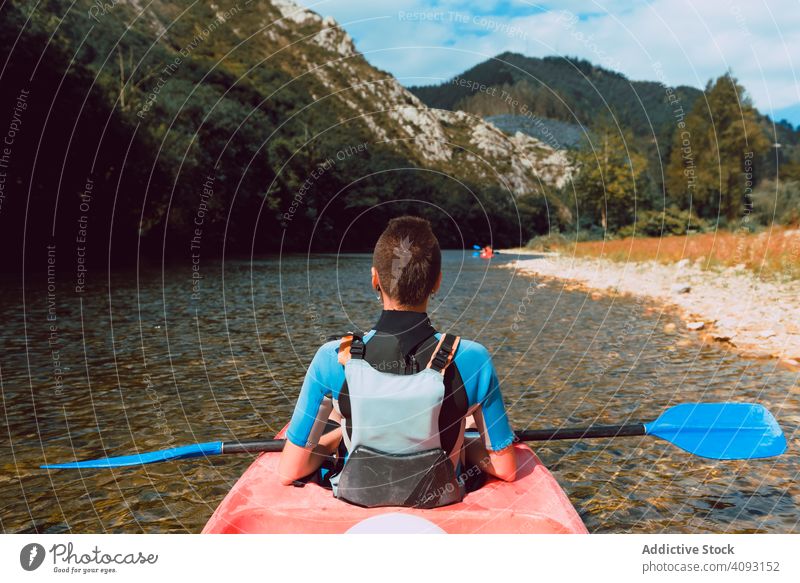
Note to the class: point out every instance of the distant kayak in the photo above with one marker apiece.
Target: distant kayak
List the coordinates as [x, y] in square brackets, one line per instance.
[484, 252]
[533, 504]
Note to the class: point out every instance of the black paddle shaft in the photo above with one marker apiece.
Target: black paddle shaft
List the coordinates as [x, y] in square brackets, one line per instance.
[593, 431]
[253, 446]
[553, 434]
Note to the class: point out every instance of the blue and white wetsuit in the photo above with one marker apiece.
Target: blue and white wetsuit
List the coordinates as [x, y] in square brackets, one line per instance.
[403, 342]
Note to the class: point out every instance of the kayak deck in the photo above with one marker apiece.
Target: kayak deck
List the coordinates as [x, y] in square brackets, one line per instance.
[534, 503]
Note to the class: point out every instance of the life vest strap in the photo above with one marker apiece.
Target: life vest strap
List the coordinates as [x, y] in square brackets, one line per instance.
[351, 346]
[444, 353]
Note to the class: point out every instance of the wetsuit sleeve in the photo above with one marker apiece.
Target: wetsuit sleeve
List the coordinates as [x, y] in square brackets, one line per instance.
[324, 377]
[484, 396]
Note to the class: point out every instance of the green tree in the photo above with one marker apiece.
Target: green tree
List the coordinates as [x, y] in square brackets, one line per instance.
[610, 176]
[716, 152]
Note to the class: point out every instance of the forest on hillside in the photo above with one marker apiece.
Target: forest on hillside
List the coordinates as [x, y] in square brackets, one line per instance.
[135, 134]
[650, 159]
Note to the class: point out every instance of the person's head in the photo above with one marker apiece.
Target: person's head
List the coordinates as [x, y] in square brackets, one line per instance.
[407, 264]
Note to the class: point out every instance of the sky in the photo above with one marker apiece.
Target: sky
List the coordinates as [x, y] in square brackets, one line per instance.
[676, 42]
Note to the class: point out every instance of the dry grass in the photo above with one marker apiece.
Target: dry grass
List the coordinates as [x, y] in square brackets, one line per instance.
[772, 253]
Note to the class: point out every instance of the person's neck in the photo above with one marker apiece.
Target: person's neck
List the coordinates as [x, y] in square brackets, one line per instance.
[391, 305]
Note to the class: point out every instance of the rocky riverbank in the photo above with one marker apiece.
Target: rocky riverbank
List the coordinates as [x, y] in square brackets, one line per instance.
[759, 318]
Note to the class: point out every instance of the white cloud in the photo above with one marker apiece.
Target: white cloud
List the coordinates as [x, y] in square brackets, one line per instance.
[693, 41]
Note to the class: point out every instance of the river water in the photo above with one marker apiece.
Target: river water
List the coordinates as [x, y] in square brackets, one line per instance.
[149, 360]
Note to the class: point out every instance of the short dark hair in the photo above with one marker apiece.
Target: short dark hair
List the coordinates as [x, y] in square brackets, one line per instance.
[408, 260]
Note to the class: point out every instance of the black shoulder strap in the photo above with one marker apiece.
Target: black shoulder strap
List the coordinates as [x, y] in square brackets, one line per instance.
[444, 353]
[357, 347]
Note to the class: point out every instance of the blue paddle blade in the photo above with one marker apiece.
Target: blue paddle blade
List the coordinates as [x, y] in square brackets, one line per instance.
[175, 453]
[477, 247]
[722, 431]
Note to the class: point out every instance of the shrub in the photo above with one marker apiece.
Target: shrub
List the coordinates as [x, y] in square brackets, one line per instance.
[779, 205]
[593, 233]
[549, 242]
[670, 221]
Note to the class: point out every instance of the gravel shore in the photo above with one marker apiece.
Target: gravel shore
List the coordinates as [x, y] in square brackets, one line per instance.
[760, 318]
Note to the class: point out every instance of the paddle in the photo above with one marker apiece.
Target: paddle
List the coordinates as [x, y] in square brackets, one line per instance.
[724, 431]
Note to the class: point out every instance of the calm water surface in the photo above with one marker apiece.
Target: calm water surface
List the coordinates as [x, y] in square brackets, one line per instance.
[144, 365]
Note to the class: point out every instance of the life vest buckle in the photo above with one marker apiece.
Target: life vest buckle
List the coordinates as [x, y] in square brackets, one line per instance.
[440, 360]
[357, 347]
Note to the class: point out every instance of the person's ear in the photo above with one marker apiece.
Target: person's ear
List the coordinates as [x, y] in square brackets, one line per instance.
[438, 283]
[376, 281]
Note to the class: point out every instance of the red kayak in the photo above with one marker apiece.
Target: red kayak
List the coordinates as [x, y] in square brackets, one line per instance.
[533, 504]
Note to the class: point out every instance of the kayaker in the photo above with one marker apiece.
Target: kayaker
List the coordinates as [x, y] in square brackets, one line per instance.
[403, 392]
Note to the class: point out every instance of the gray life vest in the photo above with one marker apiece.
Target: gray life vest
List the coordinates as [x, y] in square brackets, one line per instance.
[396, 457]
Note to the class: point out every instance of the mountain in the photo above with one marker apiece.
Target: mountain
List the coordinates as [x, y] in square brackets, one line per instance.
[179, 128]
[560, 100]
[560, 135]
[569, 90]
[790, 114]
[434, 138]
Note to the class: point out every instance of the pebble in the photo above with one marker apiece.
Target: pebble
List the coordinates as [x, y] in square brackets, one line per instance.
[722, 335]
[761, 314]
[755, 352]
[669, 328]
